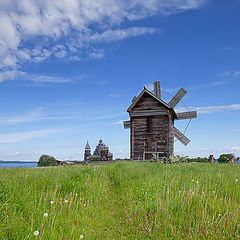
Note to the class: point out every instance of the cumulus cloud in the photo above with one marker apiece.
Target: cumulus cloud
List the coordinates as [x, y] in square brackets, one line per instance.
[32, 31]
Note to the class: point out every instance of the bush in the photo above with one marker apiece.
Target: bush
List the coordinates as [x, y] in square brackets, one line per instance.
[46, 160]
[226, 158]
[198, 159]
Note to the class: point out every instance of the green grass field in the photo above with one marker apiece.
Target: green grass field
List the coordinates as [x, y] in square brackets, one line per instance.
[125, 200]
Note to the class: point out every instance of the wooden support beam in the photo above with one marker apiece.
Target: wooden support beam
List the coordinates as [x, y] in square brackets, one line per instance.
[127, 124]
[186, 115]
[177, 98]
[157, 90]
[148, 113]
[182, 138]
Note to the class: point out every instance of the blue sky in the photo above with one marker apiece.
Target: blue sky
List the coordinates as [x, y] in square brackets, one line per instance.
[69, 70]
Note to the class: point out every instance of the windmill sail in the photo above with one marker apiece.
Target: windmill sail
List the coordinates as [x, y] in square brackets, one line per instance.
[186, 115]
[177, 98]
[182, 138]
[126, 124]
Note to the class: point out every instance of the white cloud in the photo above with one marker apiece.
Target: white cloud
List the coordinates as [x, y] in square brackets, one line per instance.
[233, 148]
[46, 79]
[233, 74]
[97, 54]
[21, 136]
[10, 75]
[211, 109]
[119, 34]
[114, 95]
[32, 31]
[120, 122]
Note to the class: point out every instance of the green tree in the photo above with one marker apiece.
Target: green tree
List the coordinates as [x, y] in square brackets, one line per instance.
[46, 160]
[225, 158]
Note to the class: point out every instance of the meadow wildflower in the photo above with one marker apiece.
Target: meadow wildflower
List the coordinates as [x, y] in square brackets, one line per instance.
[197, 182]
[51, 202]
[66, 201]
[36, 233]
[76, 194]
[236, 180]
[219, 215]
[213, 191]
[81, 236]
[45, 214]
[193, 180]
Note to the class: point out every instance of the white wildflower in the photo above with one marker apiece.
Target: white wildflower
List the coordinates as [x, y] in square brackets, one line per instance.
[236, 180]
[219, 215]
[76, 194]
[213, 191]
[66, 201]
[36, 233]
[51, 202]
[197, 182]
[81, 236]
[193, 180]
[45, 214]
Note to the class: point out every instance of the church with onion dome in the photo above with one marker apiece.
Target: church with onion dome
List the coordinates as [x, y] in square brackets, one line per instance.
[101, 153]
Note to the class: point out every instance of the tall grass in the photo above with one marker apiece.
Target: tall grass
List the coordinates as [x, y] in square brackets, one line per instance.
[121, 201]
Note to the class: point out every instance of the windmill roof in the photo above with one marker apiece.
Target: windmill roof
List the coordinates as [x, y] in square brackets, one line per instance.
[152, 95]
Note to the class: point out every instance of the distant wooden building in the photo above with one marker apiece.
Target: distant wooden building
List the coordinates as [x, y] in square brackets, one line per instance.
[101, 152]
[151, 124]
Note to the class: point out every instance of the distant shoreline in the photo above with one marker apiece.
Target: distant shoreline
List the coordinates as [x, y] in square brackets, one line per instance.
[2, 161]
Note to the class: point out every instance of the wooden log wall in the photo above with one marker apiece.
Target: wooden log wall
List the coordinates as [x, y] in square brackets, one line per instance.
[151, 132]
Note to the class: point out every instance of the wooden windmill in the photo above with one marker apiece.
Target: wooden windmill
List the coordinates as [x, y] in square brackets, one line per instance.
[151, 124]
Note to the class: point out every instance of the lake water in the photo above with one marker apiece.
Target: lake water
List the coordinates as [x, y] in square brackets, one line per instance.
[18, 165]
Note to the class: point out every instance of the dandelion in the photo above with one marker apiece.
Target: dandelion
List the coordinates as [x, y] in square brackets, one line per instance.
[66, 201]
[36, 233]
[45, 214]
[236, 180]
[81, 236]
[51, 202]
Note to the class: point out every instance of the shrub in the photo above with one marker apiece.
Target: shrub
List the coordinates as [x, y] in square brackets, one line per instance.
[226, 158]
[46, 160]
